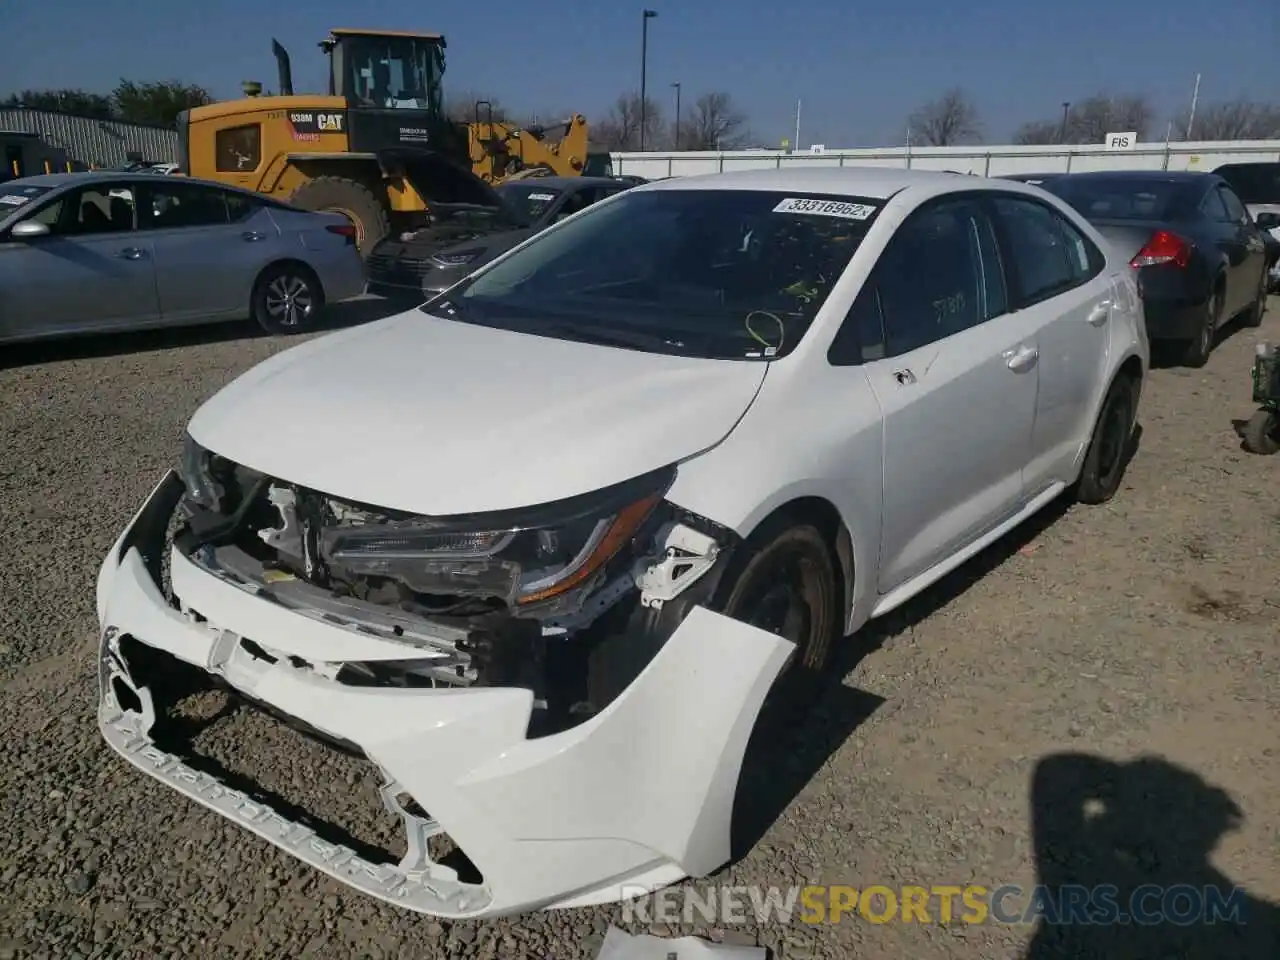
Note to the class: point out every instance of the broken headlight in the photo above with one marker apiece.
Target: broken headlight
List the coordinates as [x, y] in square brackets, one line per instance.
[197, 474]
[522, 556]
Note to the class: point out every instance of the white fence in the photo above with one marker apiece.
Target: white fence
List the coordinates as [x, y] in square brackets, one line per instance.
[992, 161]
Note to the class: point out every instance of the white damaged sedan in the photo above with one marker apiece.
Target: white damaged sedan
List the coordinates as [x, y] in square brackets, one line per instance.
[537, 551]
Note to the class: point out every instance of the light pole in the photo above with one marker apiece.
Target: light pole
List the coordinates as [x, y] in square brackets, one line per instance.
[645, 17]
[1062, 132]
[677, 86]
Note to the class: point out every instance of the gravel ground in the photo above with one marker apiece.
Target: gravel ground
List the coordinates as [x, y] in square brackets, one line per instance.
[1130, 647]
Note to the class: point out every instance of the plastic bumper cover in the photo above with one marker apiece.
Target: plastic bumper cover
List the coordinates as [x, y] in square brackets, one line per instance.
[640, 795]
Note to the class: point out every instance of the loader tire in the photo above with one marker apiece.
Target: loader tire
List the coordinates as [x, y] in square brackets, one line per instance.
[351, 198]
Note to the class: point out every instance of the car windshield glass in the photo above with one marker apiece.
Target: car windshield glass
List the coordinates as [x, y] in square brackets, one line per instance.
[14, 195]
[1107, 198]
[529, 200]
[732, 274]
[1253, 183]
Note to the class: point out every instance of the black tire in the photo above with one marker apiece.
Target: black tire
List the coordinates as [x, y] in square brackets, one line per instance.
[1253, 316]
[286, 299]
[354, 200]
[1111, 444]
[786, 581]
[1196, 352]
[1262, 433]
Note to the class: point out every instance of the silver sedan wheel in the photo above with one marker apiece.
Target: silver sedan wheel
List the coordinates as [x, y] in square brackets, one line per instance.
[289, 300]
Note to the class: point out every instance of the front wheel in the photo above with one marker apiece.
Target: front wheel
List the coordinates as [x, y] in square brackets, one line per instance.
[1262, 432]
[1108, 453]
[286, 299]
[787, 584]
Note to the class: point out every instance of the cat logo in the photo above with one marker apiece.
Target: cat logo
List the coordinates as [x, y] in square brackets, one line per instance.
[308, 122]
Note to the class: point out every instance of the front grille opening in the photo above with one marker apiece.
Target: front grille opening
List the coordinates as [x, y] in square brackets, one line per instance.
[327, 786]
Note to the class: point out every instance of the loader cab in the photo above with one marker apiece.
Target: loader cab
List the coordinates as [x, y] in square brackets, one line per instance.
[391, 82]
[391, 71]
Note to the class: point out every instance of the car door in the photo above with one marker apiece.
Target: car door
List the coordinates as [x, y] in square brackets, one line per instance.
[1231, 246]
[93, 271]
[1255, 250]
[206, 262]
[955, 376]
[1061, 290]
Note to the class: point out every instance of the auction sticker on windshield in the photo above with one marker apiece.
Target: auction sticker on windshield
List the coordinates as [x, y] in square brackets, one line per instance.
[825, 208]
[542, 196]
[13, 201]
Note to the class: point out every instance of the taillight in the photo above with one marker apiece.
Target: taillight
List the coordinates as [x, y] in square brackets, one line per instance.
[1163, 247]
[343, 230]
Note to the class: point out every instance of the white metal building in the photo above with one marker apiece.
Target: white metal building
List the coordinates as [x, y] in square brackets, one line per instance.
[985, 161]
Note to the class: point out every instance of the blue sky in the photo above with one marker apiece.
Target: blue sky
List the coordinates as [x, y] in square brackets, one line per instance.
[859, 68]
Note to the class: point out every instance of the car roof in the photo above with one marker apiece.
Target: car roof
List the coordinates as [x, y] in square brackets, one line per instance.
[1146, 176]
[54, 180]
[563, 183]
[877, 183]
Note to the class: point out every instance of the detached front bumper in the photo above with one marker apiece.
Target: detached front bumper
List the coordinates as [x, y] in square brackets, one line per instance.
[638, 796]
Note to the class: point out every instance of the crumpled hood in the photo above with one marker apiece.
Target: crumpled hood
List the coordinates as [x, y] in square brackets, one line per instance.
[440, 417]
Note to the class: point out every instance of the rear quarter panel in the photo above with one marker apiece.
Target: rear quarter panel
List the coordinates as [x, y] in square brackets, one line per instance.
[333, 258]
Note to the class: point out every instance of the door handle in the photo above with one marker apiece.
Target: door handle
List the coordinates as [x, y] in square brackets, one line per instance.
[131, 253]
[253, 235]
[1021, 359]
[1100, 312]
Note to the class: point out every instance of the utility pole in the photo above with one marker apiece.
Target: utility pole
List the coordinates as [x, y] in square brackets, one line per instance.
[1191, 117]
[645, 17]
[677, 86]
[795, 144]
[1062, 131]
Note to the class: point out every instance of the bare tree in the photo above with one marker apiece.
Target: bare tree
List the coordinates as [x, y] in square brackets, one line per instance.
[460, 107]
[713, 124]
[951, 119]
[620, 129]
[1090, 120]
[1038, 131]
[1233, 120]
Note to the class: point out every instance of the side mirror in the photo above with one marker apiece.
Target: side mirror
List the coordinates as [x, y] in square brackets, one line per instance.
[1268, 221]
[28, 230]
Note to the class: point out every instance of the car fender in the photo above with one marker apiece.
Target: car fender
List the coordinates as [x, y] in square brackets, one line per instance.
[789, 447]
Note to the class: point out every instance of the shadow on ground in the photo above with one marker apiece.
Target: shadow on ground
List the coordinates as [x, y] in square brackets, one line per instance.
[348, 313]
[1133, 840]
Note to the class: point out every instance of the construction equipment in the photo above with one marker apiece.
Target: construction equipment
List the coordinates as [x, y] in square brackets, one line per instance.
[377, 148]
[501, 151]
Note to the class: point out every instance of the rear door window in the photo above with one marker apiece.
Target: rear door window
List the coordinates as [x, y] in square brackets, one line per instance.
[172, 205]
[1049, 255]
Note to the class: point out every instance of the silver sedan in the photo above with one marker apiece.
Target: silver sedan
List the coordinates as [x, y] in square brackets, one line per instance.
[96, 252]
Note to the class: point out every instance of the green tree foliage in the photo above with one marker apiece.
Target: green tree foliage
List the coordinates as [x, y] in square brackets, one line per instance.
[157, 102]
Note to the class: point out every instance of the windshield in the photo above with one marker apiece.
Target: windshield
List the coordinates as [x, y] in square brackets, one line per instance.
[14, 195]
[529, 200]
[396, 72]
[1117, 198]
[731, 274]
[1253, 183]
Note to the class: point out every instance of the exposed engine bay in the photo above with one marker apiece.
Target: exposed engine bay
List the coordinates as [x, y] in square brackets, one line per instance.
[570, 600]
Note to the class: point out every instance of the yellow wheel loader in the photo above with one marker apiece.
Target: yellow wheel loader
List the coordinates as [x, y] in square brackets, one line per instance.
[377, 148]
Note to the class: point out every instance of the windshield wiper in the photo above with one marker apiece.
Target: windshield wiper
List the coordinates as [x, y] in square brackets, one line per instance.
[610, 336]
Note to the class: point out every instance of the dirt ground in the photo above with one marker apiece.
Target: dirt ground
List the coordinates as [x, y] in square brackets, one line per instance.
[1094, 701]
